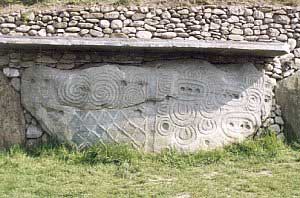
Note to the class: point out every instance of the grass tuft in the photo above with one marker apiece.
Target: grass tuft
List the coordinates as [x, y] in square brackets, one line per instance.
[267, 147]
[110, 154]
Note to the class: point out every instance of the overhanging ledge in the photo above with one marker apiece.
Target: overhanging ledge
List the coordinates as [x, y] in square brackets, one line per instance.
[233, 48]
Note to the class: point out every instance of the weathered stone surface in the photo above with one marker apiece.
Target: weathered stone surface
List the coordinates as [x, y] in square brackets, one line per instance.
[12, 123]
[218, 47]
[288, 97]
[187, 104]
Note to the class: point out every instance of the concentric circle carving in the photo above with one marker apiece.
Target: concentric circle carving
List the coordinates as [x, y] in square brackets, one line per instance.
[133, 94]
[239, 124]
[185, 136]
[255, 99]
[182, 113]
[105, 92]
[207, 126]
[75, 90]
[164, 127]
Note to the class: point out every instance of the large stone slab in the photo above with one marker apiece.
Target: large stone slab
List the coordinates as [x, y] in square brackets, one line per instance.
[264, 49]
[187, 104]
[12, 124]
[288, 97]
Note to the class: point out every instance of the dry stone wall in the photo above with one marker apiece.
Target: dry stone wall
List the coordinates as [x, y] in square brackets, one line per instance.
[235, 23]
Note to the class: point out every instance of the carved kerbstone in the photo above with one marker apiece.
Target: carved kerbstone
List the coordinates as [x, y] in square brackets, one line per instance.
[187, 105]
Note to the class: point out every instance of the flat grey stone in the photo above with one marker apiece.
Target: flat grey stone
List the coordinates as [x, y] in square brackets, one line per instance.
[266, 49]
[33, 132]
[168, 35]
[96, 33]
[73, 29]
[138, 16]
[118, 35]
[61, 25]
[12, 127]
[184, 104]
[279, 120]
[236, 10]
[128, 30]
[11, 72]
[86, 25]
[297, 52]
[8, 25]
[116, 24]
[258, 14]
[144, 34]
[23, 28]
[104, 24]
[282, 19]
[218, 12]
[235, 37]
[275, 128]
[111, 15]
[42, 33]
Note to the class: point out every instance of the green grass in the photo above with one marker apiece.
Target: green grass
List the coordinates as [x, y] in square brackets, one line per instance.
[265, 167]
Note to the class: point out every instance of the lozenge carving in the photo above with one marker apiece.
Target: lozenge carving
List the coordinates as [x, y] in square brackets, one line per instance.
[187, 105]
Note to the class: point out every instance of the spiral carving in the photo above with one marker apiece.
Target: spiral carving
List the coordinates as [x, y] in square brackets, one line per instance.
[97, 89]
[255, 99]
[104, 93]
[75, 91]
[133, 94]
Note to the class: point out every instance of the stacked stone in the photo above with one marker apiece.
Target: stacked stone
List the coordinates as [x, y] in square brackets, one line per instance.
[13, 69]
[201, 22]
[284, 66]
[273, 123]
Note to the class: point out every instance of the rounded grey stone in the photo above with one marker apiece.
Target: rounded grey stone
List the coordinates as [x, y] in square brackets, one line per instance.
[116, 24]
[104, 24]
[96, 33]
[144, 34]
[138, 16]
[33, 132]
[282, 19]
